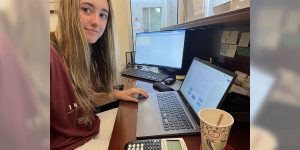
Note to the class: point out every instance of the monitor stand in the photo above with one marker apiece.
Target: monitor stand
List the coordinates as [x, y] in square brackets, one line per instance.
[136, 66]
[172, 75]
[167, 71]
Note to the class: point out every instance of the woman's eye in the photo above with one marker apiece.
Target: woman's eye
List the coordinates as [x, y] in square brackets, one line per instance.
[86, 10]
[103, 16]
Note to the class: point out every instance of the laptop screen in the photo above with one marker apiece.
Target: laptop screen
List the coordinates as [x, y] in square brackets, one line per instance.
[204, 85]
[163, 48]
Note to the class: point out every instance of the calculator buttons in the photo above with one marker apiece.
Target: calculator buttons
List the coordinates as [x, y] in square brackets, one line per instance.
[151, 144]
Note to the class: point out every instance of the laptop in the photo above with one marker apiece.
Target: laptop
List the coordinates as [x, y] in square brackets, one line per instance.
[174, 113]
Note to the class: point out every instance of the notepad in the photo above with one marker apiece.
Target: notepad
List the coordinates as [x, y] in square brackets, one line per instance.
[244, 40]
[101, 141]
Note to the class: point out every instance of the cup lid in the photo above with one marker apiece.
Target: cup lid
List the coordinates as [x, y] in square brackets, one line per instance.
[216, 117]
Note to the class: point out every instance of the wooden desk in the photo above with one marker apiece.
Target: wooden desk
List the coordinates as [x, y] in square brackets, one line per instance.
[125, 128]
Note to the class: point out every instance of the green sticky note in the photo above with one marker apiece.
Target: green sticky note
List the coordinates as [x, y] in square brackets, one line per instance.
[244, 51]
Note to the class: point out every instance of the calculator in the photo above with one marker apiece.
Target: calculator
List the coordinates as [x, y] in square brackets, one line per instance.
[157, 144]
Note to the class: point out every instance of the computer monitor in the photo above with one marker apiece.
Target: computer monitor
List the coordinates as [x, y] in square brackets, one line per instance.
[163, 49]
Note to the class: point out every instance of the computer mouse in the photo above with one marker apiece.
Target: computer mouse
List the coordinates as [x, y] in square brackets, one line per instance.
[139, 96]
[169, 81]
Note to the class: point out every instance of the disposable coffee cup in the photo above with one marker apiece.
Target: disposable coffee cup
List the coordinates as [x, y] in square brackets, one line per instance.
[215, 127]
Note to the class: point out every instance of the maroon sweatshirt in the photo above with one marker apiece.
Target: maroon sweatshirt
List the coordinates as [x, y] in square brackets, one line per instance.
[67, 128]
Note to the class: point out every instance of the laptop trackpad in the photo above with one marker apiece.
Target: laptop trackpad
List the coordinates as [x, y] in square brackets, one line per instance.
[148, 119]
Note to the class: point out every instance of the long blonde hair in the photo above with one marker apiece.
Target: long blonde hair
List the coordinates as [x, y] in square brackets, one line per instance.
[90, 66]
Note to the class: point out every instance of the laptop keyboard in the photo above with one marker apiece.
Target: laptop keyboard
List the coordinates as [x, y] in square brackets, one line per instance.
[148, 75]
[172, 114]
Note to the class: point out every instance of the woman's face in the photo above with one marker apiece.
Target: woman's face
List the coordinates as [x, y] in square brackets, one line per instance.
[93, 17]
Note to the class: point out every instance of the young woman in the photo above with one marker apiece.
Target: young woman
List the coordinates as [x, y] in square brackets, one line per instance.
[83, 71]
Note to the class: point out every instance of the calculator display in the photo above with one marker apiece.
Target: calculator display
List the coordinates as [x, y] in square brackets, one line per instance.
[174, 145]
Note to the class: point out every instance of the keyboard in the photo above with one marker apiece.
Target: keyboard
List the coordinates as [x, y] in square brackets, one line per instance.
[172, 113]
[148, 75]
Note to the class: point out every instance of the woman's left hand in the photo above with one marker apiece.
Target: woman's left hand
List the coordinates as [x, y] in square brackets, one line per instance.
[128, 95]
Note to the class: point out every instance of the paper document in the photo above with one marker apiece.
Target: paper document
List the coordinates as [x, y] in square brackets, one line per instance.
[102, 139]
[228, 50]
[233, 37]
[244, 40]
[225, 36]
[230, 37]
[223, 50]
[231, 50]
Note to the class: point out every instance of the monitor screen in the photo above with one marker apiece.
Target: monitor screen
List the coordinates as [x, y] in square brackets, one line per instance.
[204, 85]
[163, 48]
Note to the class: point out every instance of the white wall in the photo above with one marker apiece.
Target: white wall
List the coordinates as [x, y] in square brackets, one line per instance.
[53, 16]
[53, 22]
[123, 29]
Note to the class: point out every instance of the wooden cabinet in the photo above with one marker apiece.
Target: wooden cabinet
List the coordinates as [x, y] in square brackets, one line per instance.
[240, 16]
[203, 39]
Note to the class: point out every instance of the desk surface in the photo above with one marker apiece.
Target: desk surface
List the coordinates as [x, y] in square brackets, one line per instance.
[125, 128]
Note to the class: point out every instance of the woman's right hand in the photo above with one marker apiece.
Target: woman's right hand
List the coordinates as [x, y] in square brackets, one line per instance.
[128, 95]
